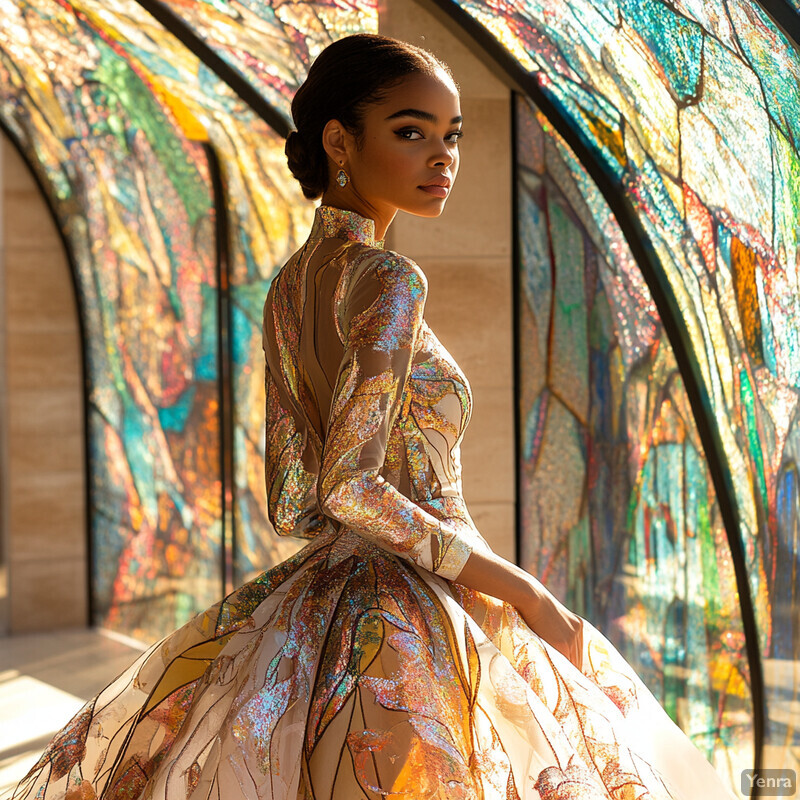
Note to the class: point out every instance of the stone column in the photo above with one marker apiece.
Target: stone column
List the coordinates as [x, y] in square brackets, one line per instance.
[42, 462]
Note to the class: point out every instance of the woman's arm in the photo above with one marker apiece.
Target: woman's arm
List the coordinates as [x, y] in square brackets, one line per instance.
[380, 318]
[491, 574]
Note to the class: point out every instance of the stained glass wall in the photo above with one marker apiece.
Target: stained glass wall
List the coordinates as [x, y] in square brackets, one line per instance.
[131, 186]
[270, 45]
[116, 115]
[619, 515]
[692, 113]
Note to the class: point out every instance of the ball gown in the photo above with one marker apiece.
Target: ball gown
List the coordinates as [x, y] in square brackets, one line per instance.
[360, 667]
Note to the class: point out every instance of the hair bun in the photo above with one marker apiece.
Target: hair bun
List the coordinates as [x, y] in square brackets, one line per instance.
[303, 165]
[295, 146]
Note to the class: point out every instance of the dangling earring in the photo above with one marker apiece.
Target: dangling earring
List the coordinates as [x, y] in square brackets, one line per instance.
[342, 178]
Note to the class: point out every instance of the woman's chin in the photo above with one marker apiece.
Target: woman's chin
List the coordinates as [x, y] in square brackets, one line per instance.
[429, 209]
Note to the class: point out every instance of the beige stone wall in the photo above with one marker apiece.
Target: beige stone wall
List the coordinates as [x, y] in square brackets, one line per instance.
[42, 465]
[466, 254]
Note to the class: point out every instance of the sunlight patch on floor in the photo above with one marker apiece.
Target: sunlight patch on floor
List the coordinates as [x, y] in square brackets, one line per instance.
[32, 711]
[44, 680]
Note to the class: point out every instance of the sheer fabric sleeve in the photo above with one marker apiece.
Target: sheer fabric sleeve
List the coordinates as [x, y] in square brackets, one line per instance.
[291, 490]
[380, 317]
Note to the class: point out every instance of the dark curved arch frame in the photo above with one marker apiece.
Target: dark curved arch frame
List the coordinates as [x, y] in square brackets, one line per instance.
[499, 60]
[224, 71]
[82, 335]
[225, 373]
[784, 17]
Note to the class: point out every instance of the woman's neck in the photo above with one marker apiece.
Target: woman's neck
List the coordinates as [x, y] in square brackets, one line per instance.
[350, 201]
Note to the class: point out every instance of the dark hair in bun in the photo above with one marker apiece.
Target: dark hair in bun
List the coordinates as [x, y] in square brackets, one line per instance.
[346, 76]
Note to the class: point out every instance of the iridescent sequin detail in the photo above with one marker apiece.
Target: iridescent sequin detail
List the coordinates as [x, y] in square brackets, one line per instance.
[358, 668]
[335, 223]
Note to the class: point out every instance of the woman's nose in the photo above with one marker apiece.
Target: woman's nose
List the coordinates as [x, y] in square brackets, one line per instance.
[443, 157]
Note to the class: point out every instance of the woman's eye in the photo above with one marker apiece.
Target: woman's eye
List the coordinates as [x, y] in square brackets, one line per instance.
[413, 135]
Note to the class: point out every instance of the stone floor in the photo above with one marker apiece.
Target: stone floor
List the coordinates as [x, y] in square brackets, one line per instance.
[44, 680]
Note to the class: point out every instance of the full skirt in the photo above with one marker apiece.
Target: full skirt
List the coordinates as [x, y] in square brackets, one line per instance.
[345, 672]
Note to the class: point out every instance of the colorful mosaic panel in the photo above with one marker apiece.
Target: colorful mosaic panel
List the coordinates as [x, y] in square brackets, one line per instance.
[619, 516]
[272, 43]
[267, 220]
[113, 112]
[268, 217]
[693, 109]
[133, 196]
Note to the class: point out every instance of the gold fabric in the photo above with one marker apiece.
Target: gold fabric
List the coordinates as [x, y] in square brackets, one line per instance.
[359, 667]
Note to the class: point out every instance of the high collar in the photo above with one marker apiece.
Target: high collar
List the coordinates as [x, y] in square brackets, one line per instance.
[339, 223]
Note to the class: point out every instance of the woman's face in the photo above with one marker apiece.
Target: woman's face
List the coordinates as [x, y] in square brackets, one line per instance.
[407, 157]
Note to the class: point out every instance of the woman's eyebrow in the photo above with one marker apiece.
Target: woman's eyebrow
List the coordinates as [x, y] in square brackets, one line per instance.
[423, 115]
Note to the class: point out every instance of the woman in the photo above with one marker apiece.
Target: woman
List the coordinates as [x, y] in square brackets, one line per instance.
[395, 654]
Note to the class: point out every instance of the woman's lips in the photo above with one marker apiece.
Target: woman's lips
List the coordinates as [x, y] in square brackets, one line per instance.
[436, 191]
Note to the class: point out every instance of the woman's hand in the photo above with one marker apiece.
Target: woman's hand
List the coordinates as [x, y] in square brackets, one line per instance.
[554, 622]
[491, 574]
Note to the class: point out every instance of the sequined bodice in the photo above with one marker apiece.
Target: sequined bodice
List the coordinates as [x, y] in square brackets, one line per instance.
[366, 408]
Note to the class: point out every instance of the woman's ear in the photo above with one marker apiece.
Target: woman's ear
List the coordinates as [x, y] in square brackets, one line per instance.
[335, 140]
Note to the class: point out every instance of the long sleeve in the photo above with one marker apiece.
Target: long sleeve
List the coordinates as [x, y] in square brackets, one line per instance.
[291, 490]
[380, 316]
